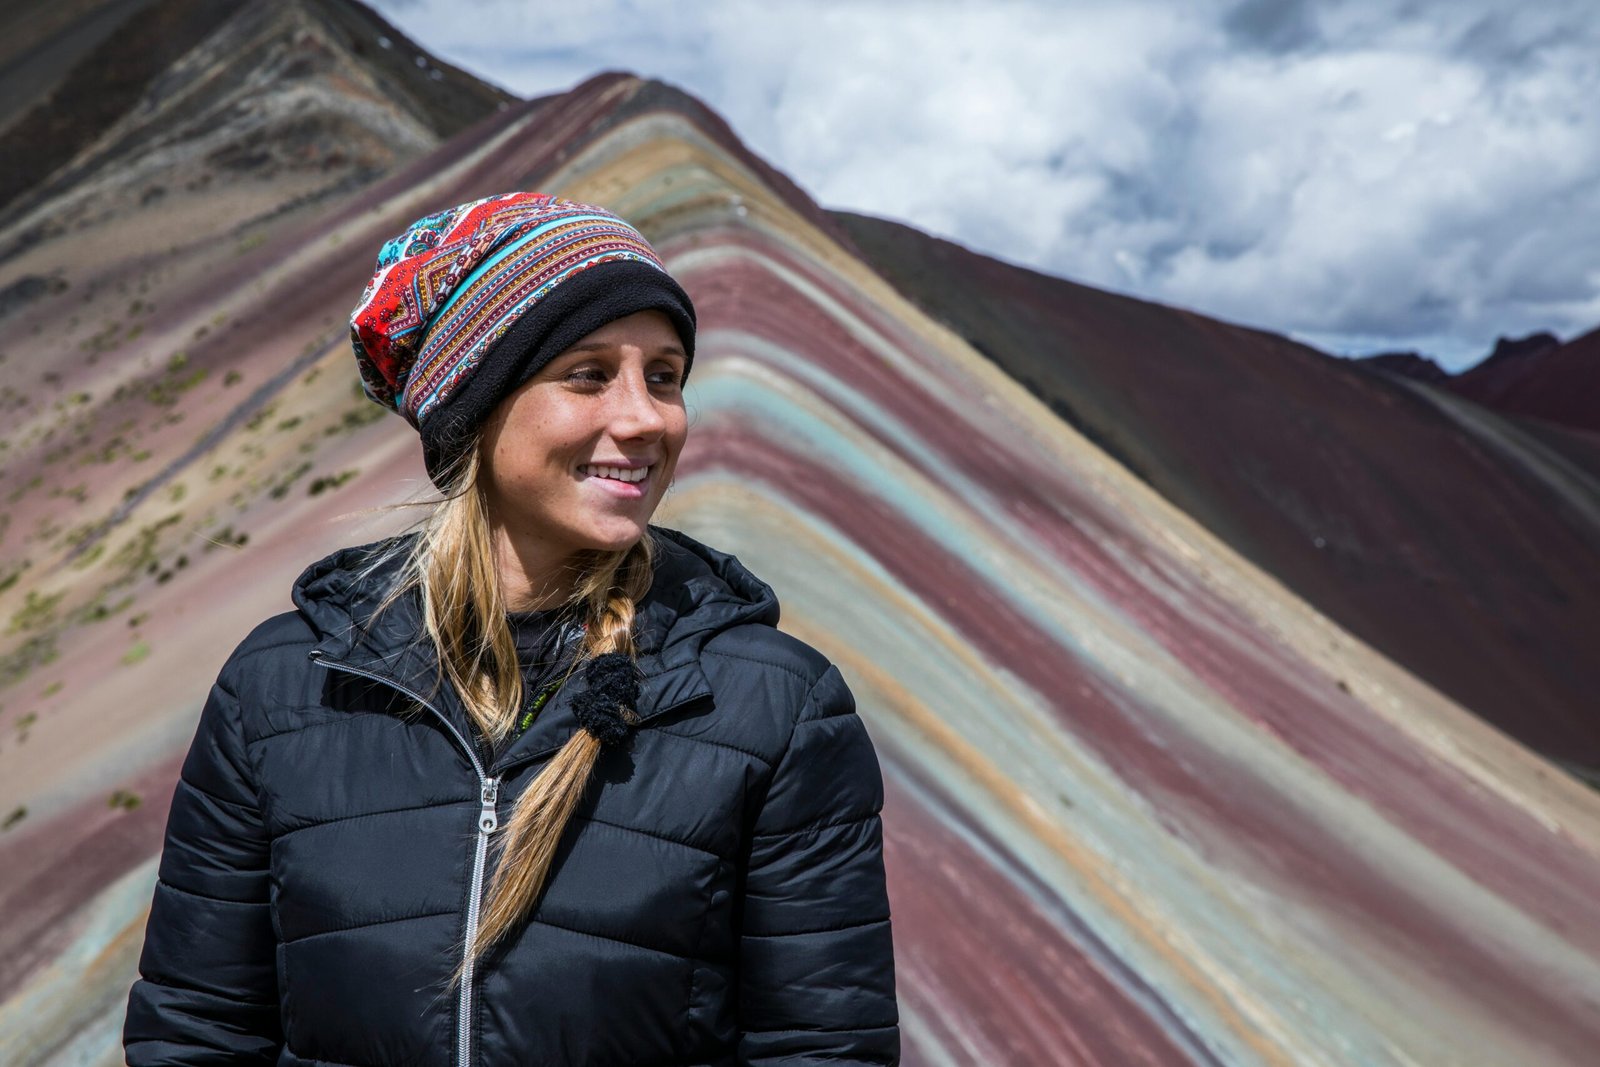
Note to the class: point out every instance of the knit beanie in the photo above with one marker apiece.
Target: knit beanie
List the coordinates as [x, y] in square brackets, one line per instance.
[469, 303]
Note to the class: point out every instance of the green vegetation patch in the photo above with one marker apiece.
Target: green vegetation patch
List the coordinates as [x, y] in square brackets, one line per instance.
[38, 650]
[139, 551]
[226, 538]
[9, 577]
[256, 421]
[99, 610]
[281, 490]
[166, 391]
[325, 482]
[36, 613]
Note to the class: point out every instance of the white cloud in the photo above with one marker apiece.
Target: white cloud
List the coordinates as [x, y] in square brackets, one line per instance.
[1334, 171]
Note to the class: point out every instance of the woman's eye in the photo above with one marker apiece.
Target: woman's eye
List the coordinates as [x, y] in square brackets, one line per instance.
[596, 376]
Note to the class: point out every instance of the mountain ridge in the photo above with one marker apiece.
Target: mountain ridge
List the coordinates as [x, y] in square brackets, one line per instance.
[223, 74]
[1302, 461]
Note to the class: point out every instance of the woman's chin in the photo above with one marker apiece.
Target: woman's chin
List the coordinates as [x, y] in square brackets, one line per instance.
[615, 537]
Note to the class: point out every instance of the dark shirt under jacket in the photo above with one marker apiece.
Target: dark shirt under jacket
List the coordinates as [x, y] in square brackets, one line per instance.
[544, 641]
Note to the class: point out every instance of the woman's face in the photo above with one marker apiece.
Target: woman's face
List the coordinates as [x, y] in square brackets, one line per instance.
[612, 400]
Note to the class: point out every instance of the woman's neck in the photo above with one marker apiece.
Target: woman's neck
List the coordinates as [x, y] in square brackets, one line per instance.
[531, 579]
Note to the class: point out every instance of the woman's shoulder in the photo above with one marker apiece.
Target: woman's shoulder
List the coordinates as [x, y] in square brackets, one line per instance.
[776, 682]
[749, 662]
[766, 686]
[287, 629]
[758, 650]
[276, 643]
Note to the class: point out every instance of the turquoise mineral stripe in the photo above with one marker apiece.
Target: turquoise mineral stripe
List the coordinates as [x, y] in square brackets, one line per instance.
[801, 423]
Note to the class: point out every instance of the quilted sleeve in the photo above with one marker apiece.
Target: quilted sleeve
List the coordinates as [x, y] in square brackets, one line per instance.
[816, 978]
[207, 992]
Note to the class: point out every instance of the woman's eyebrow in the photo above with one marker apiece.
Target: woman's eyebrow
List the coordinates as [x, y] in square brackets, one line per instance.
[604, 346]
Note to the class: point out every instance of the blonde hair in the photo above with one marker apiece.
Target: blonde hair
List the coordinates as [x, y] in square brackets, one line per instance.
[452, 565]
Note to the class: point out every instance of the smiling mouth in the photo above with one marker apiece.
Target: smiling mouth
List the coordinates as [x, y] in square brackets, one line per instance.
[625, 475]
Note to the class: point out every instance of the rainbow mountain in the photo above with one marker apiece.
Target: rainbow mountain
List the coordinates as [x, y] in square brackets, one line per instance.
[1234, 701]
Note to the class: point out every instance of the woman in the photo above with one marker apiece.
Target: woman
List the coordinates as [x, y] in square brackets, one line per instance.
[541, 783]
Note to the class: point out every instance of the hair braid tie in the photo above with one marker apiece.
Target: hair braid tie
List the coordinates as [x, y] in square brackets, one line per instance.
[606, 706]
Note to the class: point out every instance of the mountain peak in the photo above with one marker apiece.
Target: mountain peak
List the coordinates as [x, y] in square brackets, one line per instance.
[183, 93]
[1412, 365]
[1522, 347]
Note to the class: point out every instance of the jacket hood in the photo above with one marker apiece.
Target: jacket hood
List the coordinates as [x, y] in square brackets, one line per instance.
[696, 592]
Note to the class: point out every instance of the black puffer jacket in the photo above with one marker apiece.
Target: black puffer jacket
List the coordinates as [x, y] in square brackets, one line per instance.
[717, 899]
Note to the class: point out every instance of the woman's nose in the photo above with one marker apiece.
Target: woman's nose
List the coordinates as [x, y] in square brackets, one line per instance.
[635, 411]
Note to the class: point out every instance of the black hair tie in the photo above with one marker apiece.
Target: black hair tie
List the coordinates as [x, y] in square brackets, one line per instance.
[606, 706]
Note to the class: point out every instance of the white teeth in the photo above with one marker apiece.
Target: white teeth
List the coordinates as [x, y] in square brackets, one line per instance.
[617, 473]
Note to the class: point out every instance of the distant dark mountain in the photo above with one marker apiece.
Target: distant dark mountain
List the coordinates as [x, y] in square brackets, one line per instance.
[1444, 534]
[1409, 364]
[1540, 377]
[1551, 388]
[1512, 360]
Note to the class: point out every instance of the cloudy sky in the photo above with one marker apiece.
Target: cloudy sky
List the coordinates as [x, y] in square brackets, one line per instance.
[1361, 175]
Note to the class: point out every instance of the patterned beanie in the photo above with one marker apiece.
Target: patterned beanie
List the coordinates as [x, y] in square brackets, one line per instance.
[470, 303]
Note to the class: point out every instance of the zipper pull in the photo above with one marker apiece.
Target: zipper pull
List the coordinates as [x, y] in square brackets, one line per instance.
[488, 821]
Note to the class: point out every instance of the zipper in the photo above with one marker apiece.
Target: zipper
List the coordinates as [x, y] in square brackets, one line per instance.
[488, 823]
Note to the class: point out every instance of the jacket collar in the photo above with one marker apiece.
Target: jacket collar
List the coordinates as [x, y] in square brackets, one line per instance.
[696, 592]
